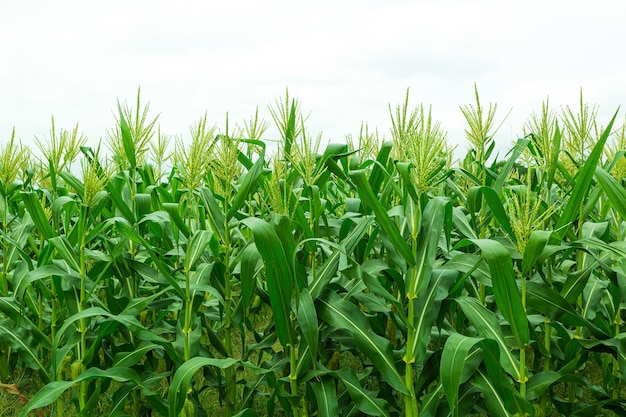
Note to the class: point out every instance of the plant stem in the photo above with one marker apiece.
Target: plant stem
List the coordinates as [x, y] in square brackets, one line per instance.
[546, 343]
[522, 371]
[522, 352]
[546, 364]
[187, 318]
[229, 372]
[5, 280]
[293, 377]
[82, 399]
[410, 401]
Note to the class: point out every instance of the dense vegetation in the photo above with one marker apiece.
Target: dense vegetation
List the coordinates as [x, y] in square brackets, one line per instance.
[185, 277]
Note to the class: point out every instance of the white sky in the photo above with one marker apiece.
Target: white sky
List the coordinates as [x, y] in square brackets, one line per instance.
[345, 61]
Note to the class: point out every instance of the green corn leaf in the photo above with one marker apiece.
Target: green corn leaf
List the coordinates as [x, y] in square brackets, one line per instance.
[129, 232]
[172, 210]
[307, 319]
[501, 398]
[17, 242]
[495, 205]
[67, 252]
[284, 230]
[326, 397]
[616, 345]
[132, 358]
[379, 173]
[368, 196]
[328, 270]
[32, 203]
[333, 168]
[365, 400]
[492, 391]
[16, 338]
[15, 311]
[504, 173]
[469, 263]
[334, 152]
[279, 279]
[216, 216]
[534, 247]
[199, 241]
[369, 273]
[52, 391]
[404, 169]
[430, 232]
[582, 186]
[427, 310]
[182, 378]
[488, 327]
[507, 295]
[249, 181]
[73, 182]
[455, 352]
[250, 261]
[118, 402]
[545, 300]
[85, 314]
[430, 402]
[291, 127]
[127, 139]
[592, 297]
[459, 220]
[115, 190]
[62, 204]
[143, 202]
[614, 191]
[41, 273]
[343, 314]
[498, 386]
[324, 274]
[540, 382]
[598, 230]
[575, 283]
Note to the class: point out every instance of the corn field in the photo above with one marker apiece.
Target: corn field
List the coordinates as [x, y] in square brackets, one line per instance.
[213, 276]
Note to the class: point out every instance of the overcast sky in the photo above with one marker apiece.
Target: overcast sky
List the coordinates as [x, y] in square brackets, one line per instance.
[345, 60]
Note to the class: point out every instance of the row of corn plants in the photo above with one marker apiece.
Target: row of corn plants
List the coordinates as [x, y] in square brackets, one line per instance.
[212, 275]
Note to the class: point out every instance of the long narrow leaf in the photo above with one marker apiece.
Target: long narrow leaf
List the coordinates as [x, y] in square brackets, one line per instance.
[248, 183]
[430, 232]
[582, 185]
[326, 397]
[307, 319]
[51, 392]
[487, 326]
[343, 314]
[507, 295]
[453, 358]
[614, 191]
[279, 279]
[180, 382]
[427, 310]
[365, 401]
[33, 205]
[367, 195]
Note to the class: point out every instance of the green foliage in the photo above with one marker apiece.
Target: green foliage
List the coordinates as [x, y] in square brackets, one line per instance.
[373, 278]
